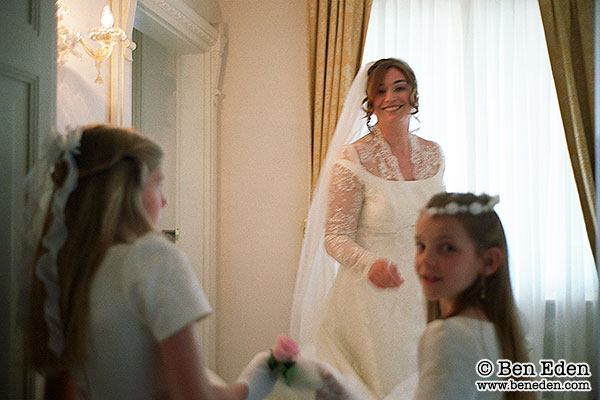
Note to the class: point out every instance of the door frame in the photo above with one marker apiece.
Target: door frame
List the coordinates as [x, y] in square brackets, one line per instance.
[199, 48]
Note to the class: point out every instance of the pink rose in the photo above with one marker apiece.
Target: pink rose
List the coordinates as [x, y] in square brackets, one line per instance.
[286, 349]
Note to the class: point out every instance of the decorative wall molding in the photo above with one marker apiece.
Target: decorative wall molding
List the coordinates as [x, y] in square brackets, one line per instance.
[179, 25]
[212, 65]
[217, 54]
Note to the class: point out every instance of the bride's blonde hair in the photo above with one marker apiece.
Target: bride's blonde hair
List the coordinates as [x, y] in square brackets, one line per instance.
[104, 209]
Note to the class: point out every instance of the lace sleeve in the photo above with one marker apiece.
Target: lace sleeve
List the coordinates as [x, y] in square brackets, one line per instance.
[346, 195]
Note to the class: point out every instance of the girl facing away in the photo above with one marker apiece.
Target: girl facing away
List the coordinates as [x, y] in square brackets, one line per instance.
[114, 304]
[462, 264]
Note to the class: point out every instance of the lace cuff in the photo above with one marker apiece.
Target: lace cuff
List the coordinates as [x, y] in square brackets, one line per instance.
[346, 196]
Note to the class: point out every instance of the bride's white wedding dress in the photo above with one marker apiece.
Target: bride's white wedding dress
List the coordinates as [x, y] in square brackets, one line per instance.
[370, 334]
[362, 209]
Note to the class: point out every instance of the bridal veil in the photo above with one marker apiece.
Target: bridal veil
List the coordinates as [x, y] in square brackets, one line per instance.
[317, 269]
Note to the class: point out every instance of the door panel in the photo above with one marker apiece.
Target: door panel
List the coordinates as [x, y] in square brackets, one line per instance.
[27, 89]
[14, 166]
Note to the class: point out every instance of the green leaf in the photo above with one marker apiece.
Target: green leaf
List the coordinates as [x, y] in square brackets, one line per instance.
[289, 373]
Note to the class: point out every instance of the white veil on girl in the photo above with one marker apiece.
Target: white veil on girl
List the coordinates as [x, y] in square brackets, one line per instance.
[317, 269]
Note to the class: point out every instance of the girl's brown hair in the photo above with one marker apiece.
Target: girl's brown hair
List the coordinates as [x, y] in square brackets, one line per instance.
[104, 209]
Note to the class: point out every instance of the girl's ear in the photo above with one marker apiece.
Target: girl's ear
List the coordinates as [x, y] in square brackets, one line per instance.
[492, 258]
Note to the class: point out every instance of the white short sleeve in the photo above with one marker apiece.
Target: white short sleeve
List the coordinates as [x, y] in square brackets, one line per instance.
[162, 288]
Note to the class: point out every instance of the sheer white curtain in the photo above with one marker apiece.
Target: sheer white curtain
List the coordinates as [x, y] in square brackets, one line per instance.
[487, 96]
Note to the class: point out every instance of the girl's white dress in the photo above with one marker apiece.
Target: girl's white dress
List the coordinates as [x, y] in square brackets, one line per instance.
[142, 293]
[369, 334]
[449, 351]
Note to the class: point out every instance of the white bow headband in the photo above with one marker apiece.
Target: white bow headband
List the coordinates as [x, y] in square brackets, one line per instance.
[62, 149]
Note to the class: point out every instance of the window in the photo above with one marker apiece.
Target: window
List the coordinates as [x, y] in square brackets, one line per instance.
[487, 97]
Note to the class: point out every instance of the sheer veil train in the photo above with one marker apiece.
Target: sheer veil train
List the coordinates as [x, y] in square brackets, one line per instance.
[317, 269]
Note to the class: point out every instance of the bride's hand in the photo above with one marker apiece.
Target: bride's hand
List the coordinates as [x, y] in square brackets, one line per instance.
[384, 274]
[331, 389]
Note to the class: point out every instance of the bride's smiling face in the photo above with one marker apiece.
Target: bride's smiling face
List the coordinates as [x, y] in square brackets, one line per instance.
[392, 98]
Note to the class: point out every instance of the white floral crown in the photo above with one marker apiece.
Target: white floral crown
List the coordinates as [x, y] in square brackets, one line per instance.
[453, 208]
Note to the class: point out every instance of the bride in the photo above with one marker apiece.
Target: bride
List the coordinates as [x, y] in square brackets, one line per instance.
[357, 302]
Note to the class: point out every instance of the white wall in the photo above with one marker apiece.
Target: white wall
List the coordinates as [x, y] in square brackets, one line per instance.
[264, 154]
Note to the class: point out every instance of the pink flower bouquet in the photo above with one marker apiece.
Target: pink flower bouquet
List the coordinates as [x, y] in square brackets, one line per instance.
[283, 358]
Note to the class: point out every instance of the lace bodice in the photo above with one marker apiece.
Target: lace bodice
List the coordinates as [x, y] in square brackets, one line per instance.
[374, 153]
[368, 167]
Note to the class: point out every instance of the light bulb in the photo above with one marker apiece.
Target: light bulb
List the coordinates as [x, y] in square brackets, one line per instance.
[107, 19]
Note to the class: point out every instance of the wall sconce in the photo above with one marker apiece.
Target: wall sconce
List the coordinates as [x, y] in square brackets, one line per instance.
[106, 35]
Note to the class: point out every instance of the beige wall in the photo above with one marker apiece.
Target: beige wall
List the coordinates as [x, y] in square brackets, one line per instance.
[208, 9]
[263, 175]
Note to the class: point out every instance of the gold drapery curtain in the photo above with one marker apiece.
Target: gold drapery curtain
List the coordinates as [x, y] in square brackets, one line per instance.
[569, 29]
[337, 30]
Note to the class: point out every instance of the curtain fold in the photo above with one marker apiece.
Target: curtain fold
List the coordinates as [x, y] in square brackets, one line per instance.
[569, 30]
[337, 30]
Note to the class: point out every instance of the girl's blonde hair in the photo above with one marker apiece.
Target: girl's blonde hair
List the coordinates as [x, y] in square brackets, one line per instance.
[104, 209]
[492, 294]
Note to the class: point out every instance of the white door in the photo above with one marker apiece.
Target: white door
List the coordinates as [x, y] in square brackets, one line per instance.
[27, 90]
[177, 96]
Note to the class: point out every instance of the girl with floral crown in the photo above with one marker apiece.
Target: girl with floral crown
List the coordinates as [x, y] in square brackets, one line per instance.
[114, 304]
[462, 264]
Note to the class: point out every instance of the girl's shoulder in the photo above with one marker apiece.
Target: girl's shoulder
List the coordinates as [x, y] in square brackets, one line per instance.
[153, 240]
[462, 331]
[460, 340]
[153, 248]
[449, 352]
